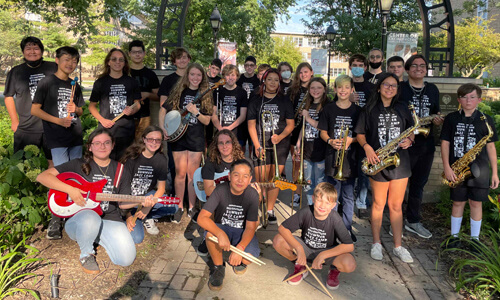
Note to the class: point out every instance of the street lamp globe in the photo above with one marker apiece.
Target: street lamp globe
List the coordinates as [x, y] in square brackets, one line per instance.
[215, 19]
[385, 6]
[331, 33]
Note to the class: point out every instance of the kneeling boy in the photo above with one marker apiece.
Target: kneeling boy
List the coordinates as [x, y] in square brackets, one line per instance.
[234, 208]
[321, 227]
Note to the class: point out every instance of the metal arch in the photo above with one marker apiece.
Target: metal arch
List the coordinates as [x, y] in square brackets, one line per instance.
[442, 58]
[174, 21]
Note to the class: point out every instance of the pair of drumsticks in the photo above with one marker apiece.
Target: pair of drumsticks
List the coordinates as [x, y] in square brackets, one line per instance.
[73, 87]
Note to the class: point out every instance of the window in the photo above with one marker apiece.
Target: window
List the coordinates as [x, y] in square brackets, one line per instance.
[298, 41]
[482, 9]
[334, 72]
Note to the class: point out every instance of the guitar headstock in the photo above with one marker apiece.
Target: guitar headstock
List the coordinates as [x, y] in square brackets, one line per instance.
[169, 200]
[219, 83]
[284, 185]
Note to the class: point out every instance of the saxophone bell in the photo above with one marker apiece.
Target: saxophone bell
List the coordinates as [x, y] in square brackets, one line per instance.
[423, 131]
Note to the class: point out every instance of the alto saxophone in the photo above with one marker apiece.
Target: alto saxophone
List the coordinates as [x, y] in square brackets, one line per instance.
[461, 166]
[385, 153]
[339, 158]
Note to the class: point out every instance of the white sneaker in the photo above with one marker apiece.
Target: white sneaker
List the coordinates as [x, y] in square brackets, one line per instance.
[151, 226]
[296, 200]
[403, 254]
[376, 252]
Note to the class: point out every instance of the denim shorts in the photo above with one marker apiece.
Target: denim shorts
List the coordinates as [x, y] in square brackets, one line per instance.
[235, 234]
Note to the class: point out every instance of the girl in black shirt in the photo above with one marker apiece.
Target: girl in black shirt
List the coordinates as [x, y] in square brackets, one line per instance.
[384, 120]
[188, 149]
[271, 100]
[86, 227]
[116, 92]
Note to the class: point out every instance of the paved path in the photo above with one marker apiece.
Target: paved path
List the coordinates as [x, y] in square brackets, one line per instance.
[181, 274]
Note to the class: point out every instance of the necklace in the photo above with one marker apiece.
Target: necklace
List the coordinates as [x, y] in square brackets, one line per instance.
[34, 67]
[107, 167]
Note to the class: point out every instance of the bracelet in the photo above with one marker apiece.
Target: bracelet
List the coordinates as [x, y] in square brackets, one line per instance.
[197, 115]
[364, 145]
[328, 141]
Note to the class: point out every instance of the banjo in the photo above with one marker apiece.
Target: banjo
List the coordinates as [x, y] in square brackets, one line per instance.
[177, 121]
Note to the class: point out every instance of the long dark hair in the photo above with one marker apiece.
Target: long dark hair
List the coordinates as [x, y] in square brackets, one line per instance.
[106, 69]
[294, 90]
[213, 150]
[88, 155]
[262, 88]
[134, 150]
[310, 99]
[375, 97]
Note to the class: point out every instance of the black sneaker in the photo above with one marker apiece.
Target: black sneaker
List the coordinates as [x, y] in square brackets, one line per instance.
[193, 214]
[178, 216]
[475, 246]
[353, 237]
[271, 218]
[89, 265]
[216, 278]
[202, 249]
[240, 270]
[54, 230]
[453, 243]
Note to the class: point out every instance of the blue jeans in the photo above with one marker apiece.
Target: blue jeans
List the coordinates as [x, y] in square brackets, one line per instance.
[65, 154]
[345, 197]
[87, 227]
[314, 174]
[362, 187]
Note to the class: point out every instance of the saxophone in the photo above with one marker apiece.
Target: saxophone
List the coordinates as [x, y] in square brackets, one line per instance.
[461, 166]
[384, 153]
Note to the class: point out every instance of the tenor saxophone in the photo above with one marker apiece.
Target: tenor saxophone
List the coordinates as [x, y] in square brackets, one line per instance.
[339, 158]
[385, 153]
[461, 166]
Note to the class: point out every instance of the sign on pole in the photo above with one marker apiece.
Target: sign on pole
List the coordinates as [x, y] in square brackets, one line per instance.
[401, 44]
[227, 52]
[319, 60]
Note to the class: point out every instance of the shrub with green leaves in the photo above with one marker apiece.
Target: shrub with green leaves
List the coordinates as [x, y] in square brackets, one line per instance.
[6, 134]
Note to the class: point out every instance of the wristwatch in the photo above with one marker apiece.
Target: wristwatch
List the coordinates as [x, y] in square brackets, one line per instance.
[197, 115]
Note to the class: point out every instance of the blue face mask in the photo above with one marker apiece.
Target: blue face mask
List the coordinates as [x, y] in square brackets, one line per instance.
[357, 71]
[286, 74]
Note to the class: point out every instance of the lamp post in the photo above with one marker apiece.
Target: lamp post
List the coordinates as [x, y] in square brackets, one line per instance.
[215, 21]
[331, 33]
[385, 7]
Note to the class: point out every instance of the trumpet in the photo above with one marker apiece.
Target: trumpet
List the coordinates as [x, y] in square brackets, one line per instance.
[339, 158]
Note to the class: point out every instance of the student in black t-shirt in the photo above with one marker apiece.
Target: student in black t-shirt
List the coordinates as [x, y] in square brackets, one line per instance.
[230, 110]
[323, 237]
[213, 77]
[335, 118]
[148, 169]
[314, 146]
[21, 84]
[384, 119]
[462, 131]
[86, 227]
[286, 71]
[231, 214]
[187, 151]
[249, 81]
[116, 92]
[424, 96]
[376, 58]
[58, 102]
[148, 83]
[270, 101]
[396, 66]
[214, 71]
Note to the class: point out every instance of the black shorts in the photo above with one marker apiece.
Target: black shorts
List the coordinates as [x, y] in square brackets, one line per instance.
[179, 147]
[282, 156]
[463, 193]
[23, 138]
[311, 253]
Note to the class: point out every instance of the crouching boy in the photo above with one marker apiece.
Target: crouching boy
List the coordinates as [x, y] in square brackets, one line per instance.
[321, 227]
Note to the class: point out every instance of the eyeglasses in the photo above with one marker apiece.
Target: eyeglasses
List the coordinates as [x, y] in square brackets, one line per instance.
[468, 98]
[249, 65]
[418, 66]
[136, 52]
[225, 143]
[100, 144]
[389, 86]
[375, 56]
[113, 59]
[153, 141]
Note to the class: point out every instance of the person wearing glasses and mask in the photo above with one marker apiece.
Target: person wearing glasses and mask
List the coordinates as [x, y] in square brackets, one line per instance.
[424, 96]
[115, 92]
[375, 58]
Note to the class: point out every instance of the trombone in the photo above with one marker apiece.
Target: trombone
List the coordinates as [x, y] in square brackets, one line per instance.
[339, 157]
[263, 170]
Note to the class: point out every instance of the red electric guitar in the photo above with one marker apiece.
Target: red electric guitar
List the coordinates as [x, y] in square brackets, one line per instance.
[62, 206]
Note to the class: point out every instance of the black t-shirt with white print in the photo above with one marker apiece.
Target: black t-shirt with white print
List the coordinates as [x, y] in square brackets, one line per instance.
[230, 104]
[314, 146]
[371, 78]
[148, 81]
[113, 95]
[210, 168]
[364, 90]
[463, 133]
[331, 120]
[249, 85]
[168, 83]
[145, 173]
[111, 210]
[285, 87]
[281, 109]
[54, 95]
[425, 102]
[194, 138]
[319, 234]
[297, 102]
[233, 210]
[382, 125]
[21, 83]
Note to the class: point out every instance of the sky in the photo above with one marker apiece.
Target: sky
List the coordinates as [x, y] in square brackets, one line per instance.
[294, 24]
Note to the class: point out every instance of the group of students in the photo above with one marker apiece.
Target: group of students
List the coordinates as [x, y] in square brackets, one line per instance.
[265, 110]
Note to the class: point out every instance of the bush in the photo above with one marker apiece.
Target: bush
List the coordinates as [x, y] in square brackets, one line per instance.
[6, 134]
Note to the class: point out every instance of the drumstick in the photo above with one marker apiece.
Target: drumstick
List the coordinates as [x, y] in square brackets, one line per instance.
[248, 256]
[122, 114]
[295, 275]
[73, 86]
[139, 207]
[317, 279]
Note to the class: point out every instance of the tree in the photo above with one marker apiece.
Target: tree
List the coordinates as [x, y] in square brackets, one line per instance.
[477, 46]
[359, 20]
[280, 50]
[12, 29]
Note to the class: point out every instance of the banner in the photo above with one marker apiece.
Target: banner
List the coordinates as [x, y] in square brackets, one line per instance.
[319, 60]
[227, 52]
[401, 44]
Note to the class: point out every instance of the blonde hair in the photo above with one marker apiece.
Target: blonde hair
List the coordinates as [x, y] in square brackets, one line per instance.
[326, 189]
[183, 83]
[341, 79]
[230, 68]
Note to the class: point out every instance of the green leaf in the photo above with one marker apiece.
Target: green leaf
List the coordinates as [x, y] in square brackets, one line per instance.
[26, 201]
[34, 218]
